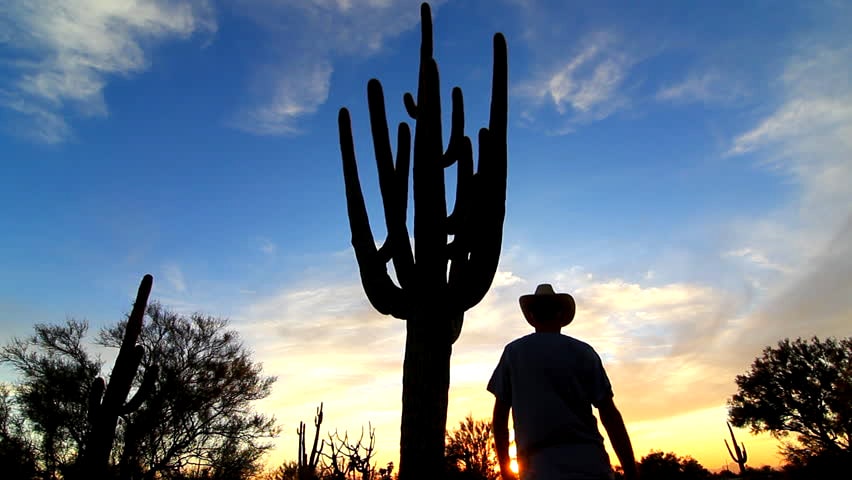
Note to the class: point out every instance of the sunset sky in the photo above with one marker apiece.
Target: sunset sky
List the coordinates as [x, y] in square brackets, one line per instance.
[682, 168]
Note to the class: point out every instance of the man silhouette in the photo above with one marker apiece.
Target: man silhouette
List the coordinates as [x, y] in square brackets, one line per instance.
[550, 381]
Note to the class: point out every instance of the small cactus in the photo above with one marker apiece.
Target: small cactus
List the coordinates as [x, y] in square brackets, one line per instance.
[107, 401]
[739, 455]
[308, 464]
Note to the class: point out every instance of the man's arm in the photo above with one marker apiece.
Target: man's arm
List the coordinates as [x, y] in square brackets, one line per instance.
[617, 432]
[500, 426]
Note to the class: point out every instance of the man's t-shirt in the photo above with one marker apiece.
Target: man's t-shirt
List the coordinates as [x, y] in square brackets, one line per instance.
[551, 381]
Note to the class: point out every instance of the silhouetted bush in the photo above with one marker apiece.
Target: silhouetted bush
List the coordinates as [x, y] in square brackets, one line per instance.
[470, 451]
[668, 466]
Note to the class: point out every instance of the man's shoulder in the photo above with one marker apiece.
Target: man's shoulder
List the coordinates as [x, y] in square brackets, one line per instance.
[519, 341]
[579, 343]
[534, 340]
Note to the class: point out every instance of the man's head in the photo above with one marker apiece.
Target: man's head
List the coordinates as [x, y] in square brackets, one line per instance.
[546, 309]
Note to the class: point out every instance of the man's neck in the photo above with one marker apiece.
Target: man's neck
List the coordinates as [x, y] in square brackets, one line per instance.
[548, 329]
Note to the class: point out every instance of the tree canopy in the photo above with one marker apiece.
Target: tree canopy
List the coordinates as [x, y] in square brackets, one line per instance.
[800, 387]
[56, 372]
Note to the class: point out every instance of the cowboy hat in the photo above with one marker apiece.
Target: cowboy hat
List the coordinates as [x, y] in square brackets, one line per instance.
[544, 292]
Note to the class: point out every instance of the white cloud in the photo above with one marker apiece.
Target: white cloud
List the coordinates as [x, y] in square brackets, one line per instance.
[586, 86]
[45, 126]
[69, 49]
[809, 135]
[336, 26]
[315, 31]
[294, 94]
[707, 87]
[797, 118]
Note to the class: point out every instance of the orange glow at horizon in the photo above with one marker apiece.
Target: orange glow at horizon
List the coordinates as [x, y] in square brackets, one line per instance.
[698, 435]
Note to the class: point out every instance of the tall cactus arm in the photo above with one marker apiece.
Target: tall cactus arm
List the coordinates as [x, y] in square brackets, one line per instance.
[459, 151]
[464, 188]
[733, 440]
[461, 216]
[740, 456]
[315, 454]
[499, 114]
[129, 356]
[456, 128]
[730, 452]
[300, 456]
[383, 294]
[430, 203]
[425, 52]
[393, 183]
[488, 209]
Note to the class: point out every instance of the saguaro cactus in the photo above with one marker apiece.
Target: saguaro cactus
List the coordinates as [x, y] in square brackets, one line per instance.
[440, 279]
[307, 465]
[107, 402]
[741, 456]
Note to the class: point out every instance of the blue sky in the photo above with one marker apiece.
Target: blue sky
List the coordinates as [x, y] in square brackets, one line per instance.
[683, 169]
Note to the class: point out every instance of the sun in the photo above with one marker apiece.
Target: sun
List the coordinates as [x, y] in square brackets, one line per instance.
[513, 465]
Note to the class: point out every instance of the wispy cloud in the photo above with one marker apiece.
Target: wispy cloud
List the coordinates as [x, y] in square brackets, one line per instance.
[43, 125]
[755, 257]
[67, 50]
[174, 276]
[808, 139]
[315, 31]
[294, 93]
[708, 87]
[809, 135]
[797, 118]
[585, 86]
[268, 247]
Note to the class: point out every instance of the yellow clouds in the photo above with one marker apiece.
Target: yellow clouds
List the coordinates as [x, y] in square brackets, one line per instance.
[671, 350]
[326, 344]
[661, 344]
[653, 305]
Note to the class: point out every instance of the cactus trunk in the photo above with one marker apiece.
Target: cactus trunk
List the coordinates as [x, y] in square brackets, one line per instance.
[425, 396]
[442, 278]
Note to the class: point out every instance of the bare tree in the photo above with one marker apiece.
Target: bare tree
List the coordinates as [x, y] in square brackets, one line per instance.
[349, 459]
